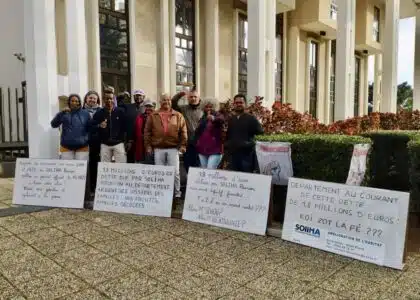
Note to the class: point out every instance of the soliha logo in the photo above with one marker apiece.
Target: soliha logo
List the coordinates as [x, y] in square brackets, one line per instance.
[308, 230]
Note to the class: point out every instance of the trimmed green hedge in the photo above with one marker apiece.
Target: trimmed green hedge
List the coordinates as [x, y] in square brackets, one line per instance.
[414, 174]
[319, 157]
[389, 161]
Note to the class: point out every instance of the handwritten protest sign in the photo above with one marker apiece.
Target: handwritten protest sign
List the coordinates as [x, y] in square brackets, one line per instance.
[50, 182]
[233, 200]
[275, 159]
[135, 189]
[363, 223]
[358, 164]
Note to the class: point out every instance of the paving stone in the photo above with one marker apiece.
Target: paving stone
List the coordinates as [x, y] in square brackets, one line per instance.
[279, 286]
[320, 294]
[99, 271]
[51, 287]
[117, 245]
[56, 217]
[129, 227]
[170, 269]
[150, 236]
[175, 227]
[27, 270]
[4, 205]
[4, 232]
[41, 235]
[104, 218]
[176, 246]
[203, 285]
[17, 255]
[22, 223]
[58, 245]
[371, 272]
[89, 294]
[353, 287]
[203, 237]
[10, 242]
[77, 227]
[167, 293]
[130, 286]
[11, 293]
[251, 238]
[141, 257]
[96, 235]
[246, 294]
[78, 256]
[406, 287]
[232, 246]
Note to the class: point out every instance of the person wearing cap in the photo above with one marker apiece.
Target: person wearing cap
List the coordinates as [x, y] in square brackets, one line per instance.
[139, 97]
[132, 111]
[138, 143]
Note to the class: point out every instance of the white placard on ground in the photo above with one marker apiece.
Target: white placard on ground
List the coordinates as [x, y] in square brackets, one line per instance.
[50, 182]
[135, 189]
[357, 168]
[238, 201]
[364, 223]
[275, 159]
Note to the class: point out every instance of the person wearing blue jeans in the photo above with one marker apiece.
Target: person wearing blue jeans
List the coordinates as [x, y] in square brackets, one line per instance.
[208, 135]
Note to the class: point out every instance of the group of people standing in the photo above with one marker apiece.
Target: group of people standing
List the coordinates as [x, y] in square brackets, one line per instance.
[117, 130]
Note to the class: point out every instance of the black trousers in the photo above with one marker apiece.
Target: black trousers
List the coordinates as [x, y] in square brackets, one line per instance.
[94, 159]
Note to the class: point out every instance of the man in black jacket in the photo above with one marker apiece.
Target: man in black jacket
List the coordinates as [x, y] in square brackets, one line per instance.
[240, 144]
[112, 126]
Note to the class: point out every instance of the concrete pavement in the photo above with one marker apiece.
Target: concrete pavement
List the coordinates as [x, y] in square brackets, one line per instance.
[76, 254]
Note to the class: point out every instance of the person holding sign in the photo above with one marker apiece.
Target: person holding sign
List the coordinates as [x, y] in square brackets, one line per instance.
[208, 136]
[240, 144]
[166, 134]
[75, 123]
[112, 125]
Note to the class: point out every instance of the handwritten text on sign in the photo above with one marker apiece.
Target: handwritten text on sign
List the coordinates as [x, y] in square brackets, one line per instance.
[233, 200]
[135, 189]
[48, 182]
[363, 223]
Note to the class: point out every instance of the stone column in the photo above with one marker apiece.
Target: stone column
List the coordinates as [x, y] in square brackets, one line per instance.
[41, 77]
[211, 78]
[377, 84]
[416, 96]
[77, 53]
[293, 68]
[165, 47]
[256, 48]
[344, 86]
[94, 46]
[270, 55]
[390, 56]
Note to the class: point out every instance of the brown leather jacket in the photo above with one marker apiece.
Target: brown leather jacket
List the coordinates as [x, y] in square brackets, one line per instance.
[155, 136]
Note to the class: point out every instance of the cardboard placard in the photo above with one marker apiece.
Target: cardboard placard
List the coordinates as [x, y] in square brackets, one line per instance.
[363, 223]
[135, 189]
[233, 200]
[50, 182]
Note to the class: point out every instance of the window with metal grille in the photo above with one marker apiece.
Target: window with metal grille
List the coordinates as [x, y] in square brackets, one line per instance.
[333, 9]
[279, 57]
[376, 24]
[185, 44]
[114, 44]
[242, 54]
[332, 80]
[357, 61]
[313, 78]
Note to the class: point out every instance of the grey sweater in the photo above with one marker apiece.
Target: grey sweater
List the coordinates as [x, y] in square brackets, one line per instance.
[192, 114]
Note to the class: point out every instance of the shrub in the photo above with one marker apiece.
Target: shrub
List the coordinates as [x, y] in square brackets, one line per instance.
[319, 157]
[414, 174]
[389, 160]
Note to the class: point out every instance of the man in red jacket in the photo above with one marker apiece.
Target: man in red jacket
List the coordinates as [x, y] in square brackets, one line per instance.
[140, 154]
